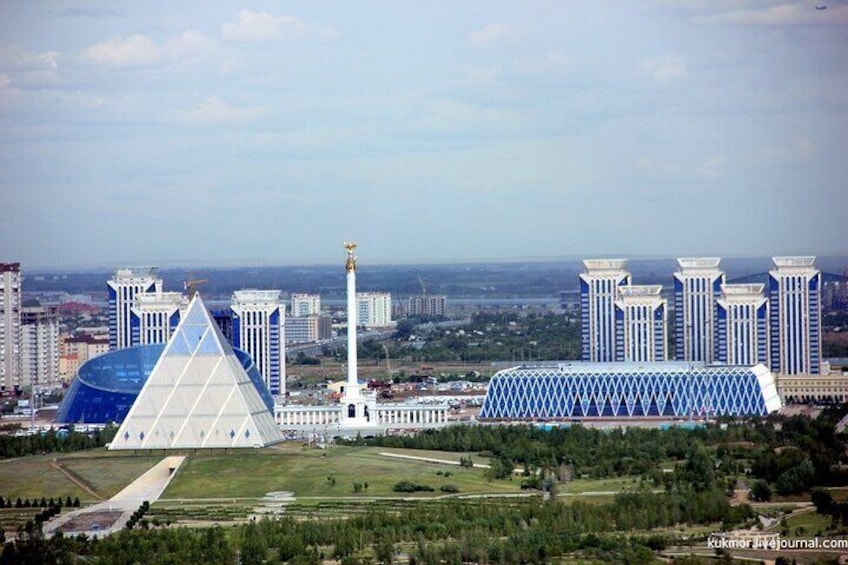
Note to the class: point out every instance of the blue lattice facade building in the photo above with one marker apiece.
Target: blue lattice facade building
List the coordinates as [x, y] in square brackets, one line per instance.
[567, 391]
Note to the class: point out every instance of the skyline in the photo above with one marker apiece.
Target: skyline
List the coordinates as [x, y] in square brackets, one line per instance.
[260, 133]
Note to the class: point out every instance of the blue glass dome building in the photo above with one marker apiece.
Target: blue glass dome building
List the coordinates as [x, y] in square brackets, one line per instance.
[106, 387]
[567, 391]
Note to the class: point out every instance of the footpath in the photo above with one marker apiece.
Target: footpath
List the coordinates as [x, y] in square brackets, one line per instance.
[111, 515]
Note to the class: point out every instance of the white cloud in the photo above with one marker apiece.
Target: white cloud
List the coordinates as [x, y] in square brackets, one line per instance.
[27, 68]
[5, 81]
[141, 51]
[117, 52]
[665, 70]
[798, 13]
[495, 33]
[214, 111]
[27, 60]
[263, 26]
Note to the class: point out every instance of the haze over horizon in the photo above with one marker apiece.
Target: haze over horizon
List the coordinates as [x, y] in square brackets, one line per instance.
[267, 133]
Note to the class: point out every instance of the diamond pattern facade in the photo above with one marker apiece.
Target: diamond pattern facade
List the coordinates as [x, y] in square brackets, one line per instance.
[593, 390]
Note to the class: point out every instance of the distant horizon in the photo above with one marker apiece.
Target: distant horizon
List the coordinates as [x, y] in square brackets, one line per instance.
[246, 264]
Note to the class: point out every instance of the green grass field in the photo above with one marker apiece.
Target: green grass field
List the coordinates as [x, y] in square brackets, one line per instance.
[306, 472]
[323, 473]
[30, 477]
[807, 524]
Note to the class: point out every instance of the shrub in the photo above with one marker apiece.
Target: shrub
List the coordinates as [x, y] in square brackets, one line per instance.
[409, 486]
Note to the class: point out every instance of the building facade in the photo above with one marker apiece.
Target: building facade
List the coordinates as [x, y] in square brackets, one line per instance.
[641, 324]
[308, 329]
[567, 391]
[258, 328]
[305, 305]
[123, 287]
[697, 287]
[599, 289]
[742, 315]
[429, 305]
[40, 346]
[84, 347]
[10, 325]
[374, 309]
[155, 315]
[794, 289]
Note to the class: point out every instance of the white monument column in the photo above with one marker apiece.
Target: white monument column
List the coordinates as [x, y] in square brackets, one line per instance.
[358, 408]
[352, 362]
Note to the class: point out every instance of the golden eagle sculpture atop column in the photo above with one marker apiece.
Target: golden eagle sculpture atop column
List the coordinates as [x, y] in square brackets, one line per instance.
[350, 264]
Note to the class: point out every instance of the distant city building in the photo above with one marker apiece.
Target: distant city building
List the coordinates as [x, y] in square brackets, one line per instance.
[641, 324]
[68, 367]
[84, 347]
[10, 324]
[599, 286]
[697, 286]
[374, 309]
[836, 294]
[795, 316]
[305, 305]
[429, 305]
[258, 328]
[155, 315]
[40, 346]
[308, 329]
[742, 325]
[124, 285]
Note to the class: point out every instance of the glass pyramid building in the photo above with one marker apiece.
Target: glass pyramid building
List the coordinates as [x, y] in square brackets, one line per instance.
[198, 395]
[629, 390]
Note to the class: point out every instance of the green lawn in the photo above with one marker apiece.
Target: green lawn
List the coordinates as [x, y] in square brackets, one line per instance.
[807, 524]
[322, 473]
[615, 484]
[107, 474]
[246, 474]
[33, 476]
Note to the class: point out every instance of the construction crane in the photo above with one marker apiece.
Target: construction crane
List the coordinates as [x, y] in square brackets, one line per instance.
[190, 285]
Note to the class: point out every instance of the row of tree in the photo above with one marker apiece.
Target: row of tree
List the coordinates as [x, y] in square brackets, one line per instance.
[53, 441]
[482, 531]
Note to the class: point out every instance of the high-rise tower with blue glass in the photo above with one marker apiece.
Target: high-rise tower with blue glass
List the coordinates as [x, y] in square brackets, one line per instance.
[795, 318]
[697, 286]
[640, 324]
[742, 315]
[124, 285]
[599, 289]
[258, 328]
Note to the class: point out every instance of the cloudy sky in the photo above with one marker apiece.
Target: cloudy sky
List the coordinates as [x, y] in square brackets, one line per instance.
[231, 133]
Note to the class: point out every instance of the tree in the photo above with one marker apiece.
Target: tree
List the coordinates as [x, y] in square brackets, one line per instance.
[404, 329]
[385, 551]
[254, 549]
[822, 500]
[10, 555]
[760, 491]
[797, 479]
